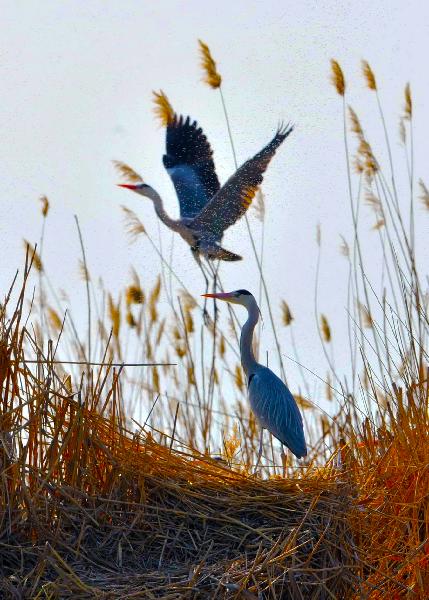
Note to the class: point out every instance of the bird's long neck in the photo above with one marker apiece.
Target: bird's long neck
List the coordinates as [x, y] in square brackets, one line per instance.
[246, 347]
[159, 209]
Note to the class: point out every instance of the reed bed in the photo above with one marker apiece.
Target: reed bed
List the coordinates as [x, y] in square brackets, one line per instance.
[136, 480]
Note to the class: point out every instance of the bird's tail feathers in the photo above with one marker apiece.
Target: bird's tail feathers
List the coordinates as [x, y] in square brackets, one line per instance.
[223, 254]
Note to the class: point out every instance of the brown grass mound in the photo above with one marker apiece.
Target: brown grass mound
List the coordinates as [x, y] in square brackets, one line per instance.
[92, 510]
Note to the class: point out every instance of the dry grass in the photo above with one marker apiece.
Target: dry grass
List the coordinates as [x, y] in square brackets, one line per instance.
[97, 502]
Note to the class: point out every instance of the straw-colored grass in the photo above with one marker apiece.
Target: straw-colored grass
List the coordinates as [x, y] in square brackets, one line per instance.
[132, 476]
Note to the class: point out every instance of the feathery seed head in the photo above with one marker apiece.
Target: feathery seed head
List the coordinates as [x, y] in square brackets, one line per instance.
[369, 75]
[303, 402]
[45, 205]
[54, 319]
[191, 376]
[328, 388]
[424, 197]
[127, 172]
[408, 108]
[239, 381]
[155, 380]
[134, 295]
[222, 346]
[402, 130]
[133, 226]
[211, 76]
[325, 329]
[83, 271]
[367, 157]
[115, 315]
[365, 314]
[163, 109]
[131, 322]
[344, 247]
[337, 77]
[33, 255]
[286, 314]
[355, 123]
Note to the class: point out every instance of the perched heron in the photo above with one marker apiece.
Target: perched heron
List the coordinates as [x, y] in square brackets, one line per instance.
[206, 208]
[270, 399]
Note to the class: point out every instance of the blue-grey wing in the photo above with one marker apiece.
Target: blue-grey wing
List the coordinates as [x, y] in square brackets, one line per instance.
[236, 195]
[189, 162]
[276, 409]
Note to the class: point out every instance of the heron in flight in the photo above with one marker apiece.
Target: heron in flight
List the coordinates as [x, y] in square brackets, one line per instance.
[271, 401]
[206, 208]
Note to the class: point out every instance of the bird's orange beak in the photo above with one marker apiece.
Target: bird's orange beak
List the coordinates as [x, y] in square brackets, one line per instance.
[128, 186]
[218, 296]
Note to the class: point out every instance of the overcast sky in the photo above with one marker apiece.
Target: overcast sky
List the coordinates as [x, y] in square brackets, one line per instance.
[76, 93]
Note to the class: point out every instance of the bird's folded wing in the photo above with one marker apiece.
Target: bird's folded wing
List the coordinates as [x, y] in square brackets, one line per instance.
[234, 198]
[276, 409]
[189, 162]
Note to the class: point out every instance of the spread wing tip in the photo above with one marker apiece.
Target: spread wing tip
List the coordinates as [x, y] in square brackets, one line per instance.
[283, 130]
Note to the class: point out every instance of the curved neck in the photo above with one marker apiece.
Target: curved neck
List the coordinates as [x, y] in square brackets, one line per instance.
[159, 209]
[246, 347]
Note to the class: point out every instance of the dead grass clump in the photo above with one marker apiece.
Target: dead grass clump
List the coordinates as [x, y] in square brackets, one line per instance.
[90, 509]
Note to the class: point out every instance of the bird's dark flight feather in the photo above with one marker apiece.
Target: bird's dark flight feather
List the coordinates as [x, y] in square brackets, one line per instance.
[236, 195]
[189, 162]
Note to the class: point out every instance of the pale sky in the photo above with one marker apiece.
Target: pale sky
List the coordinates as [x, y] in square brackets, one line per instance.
[77, 80]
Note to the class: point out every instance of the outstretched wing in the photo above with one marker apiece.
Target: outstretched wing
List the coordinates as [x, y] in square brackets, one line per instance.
[235, 197]
[276, 409]
[189, 163]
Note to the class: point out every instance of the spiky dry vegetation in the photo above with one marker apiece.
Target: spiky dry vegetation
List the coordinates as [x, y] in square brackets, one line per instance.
[136, 481]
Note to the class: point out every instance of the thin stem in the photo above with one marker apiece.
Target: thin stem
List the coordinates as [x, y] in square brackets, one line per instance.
[88, 295]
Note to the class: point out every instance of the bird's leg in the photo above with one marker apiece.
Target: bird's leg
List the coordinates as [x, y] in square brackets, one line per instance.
[283, 456]
[258, 460]
[214, 272]
[197, 258]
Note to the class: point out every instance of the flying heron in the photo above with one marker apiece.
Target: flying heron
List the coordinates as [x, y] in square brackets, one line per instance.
[206, 208]
[270, 399]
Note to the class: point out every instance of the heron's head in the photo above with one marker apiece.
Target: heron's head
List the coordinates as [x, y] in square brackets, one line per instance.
[242, 297]
[140, 188]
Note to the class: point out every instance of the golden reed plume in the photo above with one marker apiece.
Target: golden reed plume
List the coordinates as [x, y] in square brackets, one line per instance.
[355, 123]
[337, 77]
[325, 329]
[212, 77]
[34, 256]
[408, 109]
[163, 109]
[369, 75]
[45, 205]
[129, 175]
[287, 316]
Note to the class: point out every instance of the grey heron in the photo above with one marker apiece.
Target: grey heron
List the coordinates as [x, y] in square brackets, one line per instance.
[206, 208]
[270, 400]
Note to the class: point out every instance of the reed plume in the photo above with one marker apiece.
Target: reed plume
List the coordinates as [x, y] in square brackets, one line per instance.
[133, 226]
[211, 75]
[287, 317]
[408, 108]
[337, 77]
[369, 75]
[127, 172]
[325, 329]
[134, 295]
[115, 315]
[355, 123]
[163, 109]
[33, 254]
[45, 205]
[54, 319]
[424, 196]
